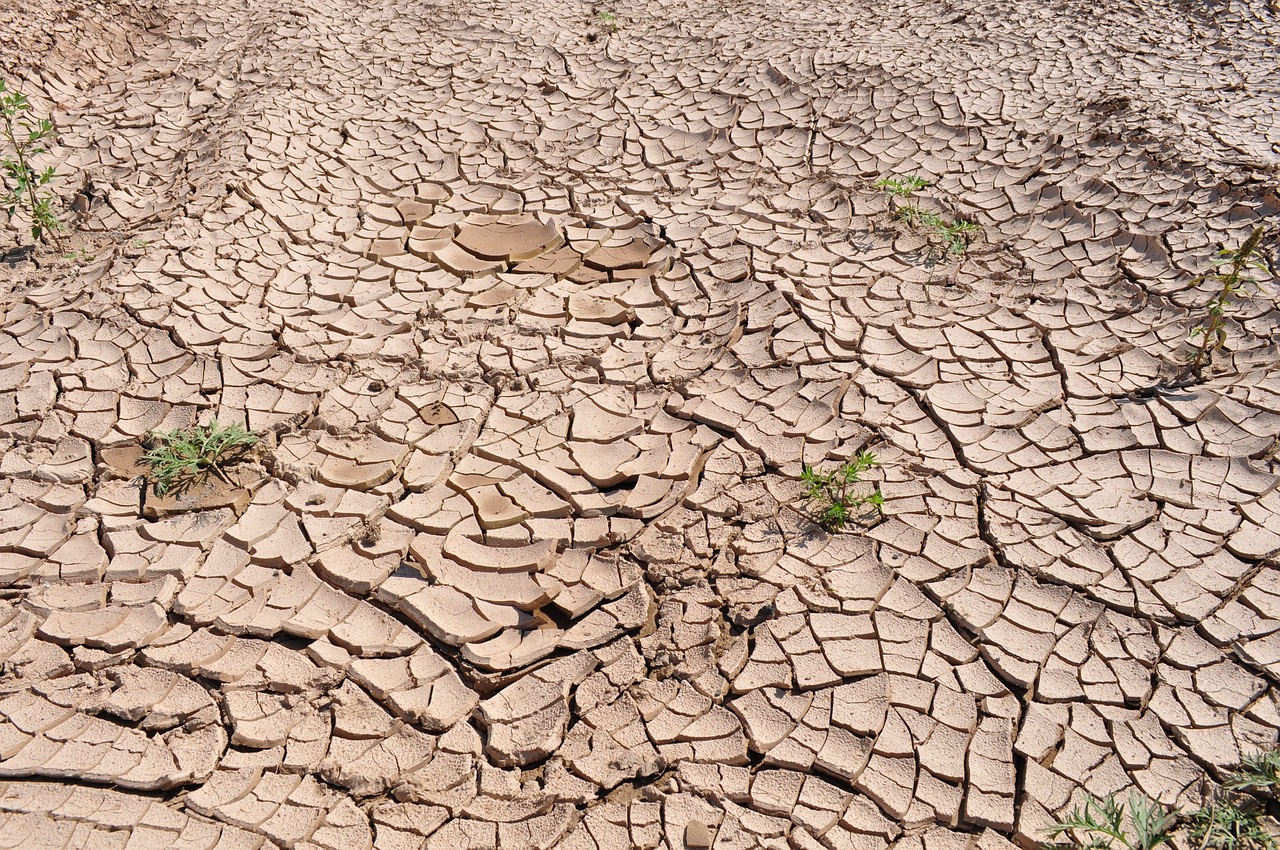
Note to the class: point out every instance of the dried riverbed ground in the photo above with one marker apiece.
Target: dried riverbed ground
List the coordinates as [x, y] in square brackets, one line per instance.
[540, 321]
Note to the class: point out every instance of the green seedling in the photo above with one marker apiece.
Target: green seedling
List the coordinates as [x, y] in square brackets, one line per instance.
[913, 216]
[954, 234]
[832, 496]
[80, 255]
[1230, 822]
[1259, 773]
[902, 187]
[1231, 281]
[24, 185]
[610, 21]
[1230, 819]
[182, 457]
[900, 190]
[1104, 823]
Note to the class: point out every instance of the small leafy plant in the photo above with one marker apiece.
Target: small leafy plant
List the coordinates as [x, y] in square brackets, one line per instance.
[953, 234]
[1259, 773]
[1229, 819]
[832, 495]
[1230, 822]
[902, 187]
[24, 186]
[1230, 280]
[610, 21]
[1100, 824]
[179, 458]
[956, 235]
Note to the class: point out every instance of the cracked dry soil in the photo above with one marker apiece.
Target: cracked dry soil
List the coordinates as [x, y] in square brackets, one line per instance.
[540, 318]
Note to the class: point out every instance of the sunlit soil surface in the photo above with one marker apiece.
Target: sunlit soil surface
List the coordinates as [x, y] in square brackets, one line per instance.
[539, 316]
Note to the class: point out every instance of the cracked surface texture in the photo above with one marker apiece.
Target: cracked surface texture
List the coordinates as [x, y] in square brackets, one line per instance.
[540, 320]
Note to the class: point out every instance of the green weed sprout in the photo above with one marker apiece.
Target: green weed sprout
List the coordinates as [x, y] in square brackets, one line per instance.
[902, 187]
[610, 21]
[1259, 773]
[1229, 819]
[22, 183]
[1100, 824]
[1230, 281]
[830, 494]
[178, 458]
[954, 234]
[1230, 823]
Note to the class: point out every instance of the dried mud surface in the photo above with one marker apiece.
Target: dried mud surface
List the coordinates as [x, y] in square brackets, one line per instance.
[540, 320]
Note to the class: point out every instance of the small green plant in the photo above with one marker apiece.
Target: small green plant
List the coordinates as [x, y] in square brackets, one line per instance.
[1230, 822]
[1259, 773]
[1100, 824]
[1229, 277]
[610, 21]
[79, 255]
[1229, 819]
[831, 495]
[179, 458]
[954, 234]
[23, 186]
[902, 187]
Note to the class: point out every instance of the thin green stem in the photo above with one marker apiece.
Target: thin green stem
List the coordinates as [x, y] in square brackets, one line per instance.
[1212, 333]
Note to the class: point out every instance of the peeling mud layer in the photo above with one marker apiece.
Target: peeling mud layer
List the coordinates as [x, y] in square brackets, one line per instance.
[539, 319]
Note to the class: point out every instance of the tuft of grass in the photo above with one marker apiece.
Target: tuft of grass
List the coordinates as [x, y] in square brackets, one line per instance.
[1230, 279]
[610, 21]
[1231, 818]
[21, 185]
[180, 458]
[831, 497]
